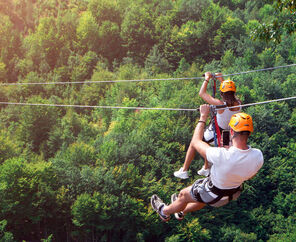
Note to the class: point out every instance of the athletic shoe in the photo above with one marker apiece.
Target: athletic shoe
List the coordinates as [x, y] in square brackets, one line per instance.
[179, 215]
[181, 174]
[157, 204]
[204, 172]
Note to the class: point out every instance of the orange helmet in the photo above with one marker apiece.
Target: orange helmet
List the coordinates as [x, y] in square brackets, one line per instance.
[241, 122]
[227, 86]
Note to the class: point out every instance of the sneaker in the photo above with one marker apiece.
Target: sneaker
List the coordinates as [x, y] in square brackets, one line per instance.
[181, 174]
[179, 215]
[204, 172]
[157, 205]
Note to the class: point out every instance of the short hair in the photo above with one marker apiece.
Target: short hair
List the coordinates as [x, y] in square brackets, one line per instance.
[243, 133]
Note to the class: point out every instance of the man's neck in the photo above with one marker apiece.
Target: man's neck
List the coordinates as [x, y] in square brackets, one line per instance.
[240, 144]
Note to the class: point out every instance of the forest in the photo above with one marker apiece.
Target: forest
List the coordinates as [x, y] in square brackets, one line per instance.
[70, 173]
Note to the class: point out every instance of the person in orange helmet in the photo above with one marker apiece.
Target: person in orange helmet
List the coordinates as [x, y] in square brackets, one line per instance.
[231, 167]
[227, 90]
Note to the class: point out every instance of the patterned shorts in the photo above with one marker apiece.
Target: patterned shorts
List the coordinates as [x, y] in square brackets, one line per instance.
[200, 192]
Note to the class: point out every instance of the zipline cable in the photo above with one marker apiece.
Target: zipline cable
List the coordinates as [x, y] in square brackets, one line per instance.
[258, 103]
[87, 106]
[139, 80]
[89, 82]
[141, 108]
[264, 69]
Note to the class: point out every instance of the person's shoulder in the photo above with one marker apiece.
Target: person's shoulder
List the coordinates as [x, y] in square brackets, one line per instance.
[211, 149]
[256, 150]
[215, 150]
[258, 153]
[214, 154]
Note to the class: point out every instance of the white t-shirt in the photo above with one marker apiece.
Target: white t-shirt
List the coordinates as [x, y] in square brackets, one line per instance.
[224, 118]
[231, 167]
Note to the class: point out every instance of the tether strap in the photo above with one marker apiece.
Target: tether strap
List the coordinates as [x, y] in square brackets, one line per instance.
[216, 128]
[214, 87]
[217, 134]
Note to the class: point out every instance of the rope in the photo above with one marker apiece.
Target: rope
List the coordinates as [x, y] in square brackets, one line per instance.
[140, 108]
[139, 80]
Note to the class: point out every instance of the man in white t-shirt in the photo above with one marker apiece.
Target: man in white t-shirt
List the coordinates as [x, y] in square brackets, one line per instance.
[230, 168]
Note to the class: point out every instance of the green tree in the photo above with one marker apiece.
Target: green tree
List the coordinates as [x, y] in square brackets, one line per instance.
[283, 22]
[83, 66]
[234, 234]
[228, 58]
[35, 124]
[193, 231]
[107, 25]
[232, 4]
[28, 202]
[137, 31]
[106, 216]
[267, 58]
[155, 62]
[3, 72]
[288, 85]
[4, 235]
[87, 32]
[190, 10]
[42, 47]
[104, 10]
[67, 131]
[80, 154]
[110, 42]
[229, 34]
[91, 94]
[10, 50]
[212, 19]
[9, 148]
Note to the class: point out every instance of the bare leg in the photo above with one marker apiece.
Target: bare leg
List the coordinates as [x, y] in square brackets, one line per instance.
[191, 207]
[184, 198]
[189, 157]
[191, 154]
[206, 165]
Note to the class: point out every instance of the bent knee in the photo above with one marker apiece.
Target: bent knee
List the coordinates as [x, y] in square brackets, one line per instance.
[184, 194]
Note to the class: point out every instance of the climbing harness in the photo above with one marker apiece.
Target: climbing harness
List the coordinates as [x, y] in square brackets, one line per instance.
[222, 192]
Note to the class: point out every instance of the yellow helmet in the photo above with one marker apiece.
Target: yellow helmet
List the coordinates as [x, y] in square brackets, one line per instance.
[241, 122]
[227, 86]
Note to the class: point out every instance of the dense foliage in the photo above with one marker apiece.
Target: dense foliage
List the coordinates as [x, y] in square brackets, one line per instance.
[82, 174]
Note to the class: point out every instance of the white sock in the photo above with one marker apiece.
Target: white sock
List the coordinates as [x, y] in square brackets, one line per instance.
[161, 211]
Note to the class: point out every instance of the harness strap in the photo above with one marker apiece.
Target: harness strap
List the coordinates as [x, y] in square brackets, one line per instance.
[222, 192]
